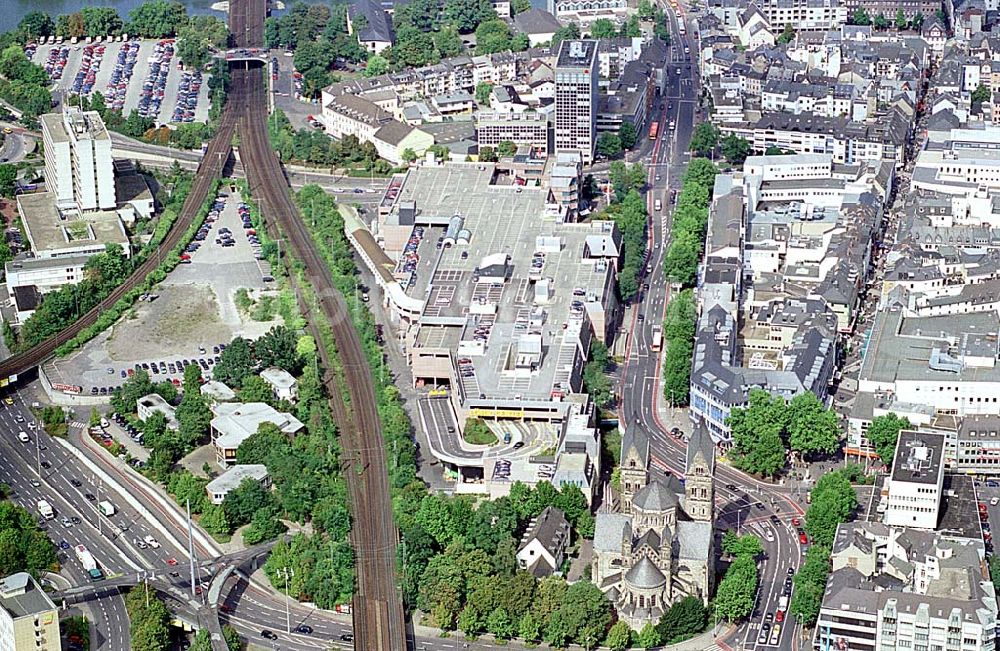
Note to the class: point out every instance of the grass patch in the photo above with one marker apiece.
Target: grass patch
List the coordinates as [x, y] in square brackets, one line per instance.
[478, 433]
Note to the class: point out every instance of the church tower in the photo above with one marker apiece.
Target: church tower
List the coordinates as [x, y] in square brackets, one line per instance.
[634, 465]
[699, 484]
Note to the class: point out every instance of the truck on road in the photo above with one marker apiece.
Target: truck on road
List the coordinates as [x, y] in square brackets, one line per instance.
[89, 563]
[45, 510]
[107, 508]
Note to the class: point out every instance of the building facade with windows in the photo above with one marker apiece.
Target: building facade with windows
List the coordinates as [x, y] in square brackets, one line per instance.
[576, 76]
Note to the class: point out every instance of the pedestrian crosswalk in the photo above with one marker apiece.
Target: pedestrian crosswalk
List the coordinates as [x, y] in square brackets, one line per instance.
[77, 425]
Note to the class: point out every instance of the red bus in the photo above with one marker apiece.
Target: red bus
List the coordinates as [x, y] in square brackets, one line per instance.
[653, 130]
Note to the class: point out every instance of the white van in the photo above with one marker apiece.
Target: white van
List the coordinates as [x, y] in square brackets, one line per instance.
[658, 206]
[22, 437]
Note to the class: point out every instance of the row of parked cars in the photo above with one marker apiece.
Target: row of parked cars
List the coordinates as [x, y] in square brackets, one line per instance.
[155, 85]
[55, 63]
[187, 97]
[410, 257]
[114, 95]
[251, 232]
[213, 215]
[83, 83]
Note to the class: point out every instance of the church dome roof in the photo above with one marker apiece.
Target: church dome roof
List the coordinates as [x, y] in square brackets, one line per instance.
[645, 575]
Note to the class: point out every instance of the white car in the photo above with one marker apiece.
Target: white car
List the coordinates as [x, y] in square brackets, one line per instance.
[32, 425]
[995, 501]
[23, 437]
[152, 542]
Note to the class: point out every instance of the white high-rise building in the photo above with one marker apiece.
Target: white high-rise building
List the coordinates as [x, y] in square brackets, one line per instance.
[915, 484]
[79, 170]
[576, 98]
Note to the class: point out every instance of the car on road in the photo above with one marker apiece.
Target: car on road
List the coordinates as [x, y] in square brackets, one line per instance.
[171, 562]
[90, 497]
[995, 501]
[46, 465]
[796, 522]
[66, 522]
[63, 544]
[35, 483]
[23, 437]
[731, 487]
[75, 482]
[765, 631]
[347, 637]
[138, 543]
[803, 538]
[270, 635]
[305, 629]
[152, 542]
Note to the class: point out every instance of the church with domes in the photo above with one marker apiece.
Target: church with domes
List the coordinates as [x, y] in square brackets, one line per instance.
[659, 549]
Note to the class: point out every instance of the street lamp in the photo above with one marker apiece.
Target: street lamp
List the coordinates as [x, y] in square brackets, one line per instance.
[286, 571]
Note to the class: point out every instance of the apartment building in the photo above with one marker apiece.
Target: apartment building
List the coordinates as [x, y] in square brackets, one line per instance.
[79, 170]
[29, 621]
[959, 161]
[786, 253]
[901, 588]
[576, 98]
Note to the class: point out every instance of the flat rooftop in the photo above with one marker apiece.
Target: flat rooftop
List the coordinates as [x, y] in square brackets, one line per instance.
[576, 54]
[903, 348]
[918, 458]
[86, 125]
[53, 235]
[517, 271]
[21, 596]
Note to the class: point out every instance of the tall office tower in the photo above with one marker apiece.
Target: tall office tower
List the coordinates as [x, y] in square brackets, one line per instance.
[576, 98]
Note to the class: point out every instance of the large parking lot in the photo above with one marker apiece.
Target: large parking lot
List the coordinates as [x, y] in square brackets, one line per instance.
[189, 318]
[132, 75]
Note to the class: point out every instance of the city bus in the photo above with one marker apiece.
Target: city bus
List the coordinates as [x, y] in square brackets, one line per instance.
[654, 129]
[657, 338]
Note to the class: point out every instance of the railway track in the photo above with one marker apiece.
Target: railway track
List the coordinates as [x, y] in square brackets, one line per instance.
[379, 622]
[208, 171]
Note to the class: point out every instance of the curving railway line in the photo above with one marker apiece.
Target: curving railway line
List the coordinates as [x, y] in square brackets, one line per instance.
[209, 170]
[379, 622]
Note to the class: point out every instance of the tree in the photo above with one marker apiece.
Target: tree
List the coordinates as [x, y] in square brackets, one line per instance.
[595, 380]
[980, 95]
[157, 19]
[685, 618]
[583, 616]
[202, 641]
[812, 428]
[603, 28]
[567, 32]
[787, 35]
[705, 138]
[483, 91]
[506, 148]
[149, 619]
[197, 39]
[464, 14]
[646, 10]
[627, 134]
[35, 25]
[235, 363]
[101, 21]
[500, 624]
[232, 637]
[918, 21]
[264, 525]
[492, 36]
[881, 22]
[736, 545]
[520, 6]
[734, 597]
[245, 500]
[649, 637]
[313, 59]
[810, 583]
[833, 502]
[609, 145]
[860, 17]
[756, 430]
[255, 389]
[214, 521]
[883, 433]
[488, 155]
[278, 347]
[409, 156]
[619, 637]
[448, 41]
[901, 21]
[376, 65]
[735, 149]
[8, 180]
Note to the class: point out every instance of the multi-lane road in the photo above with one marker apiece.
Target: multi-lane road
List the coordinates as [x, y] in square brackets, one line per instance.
[742, 502]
